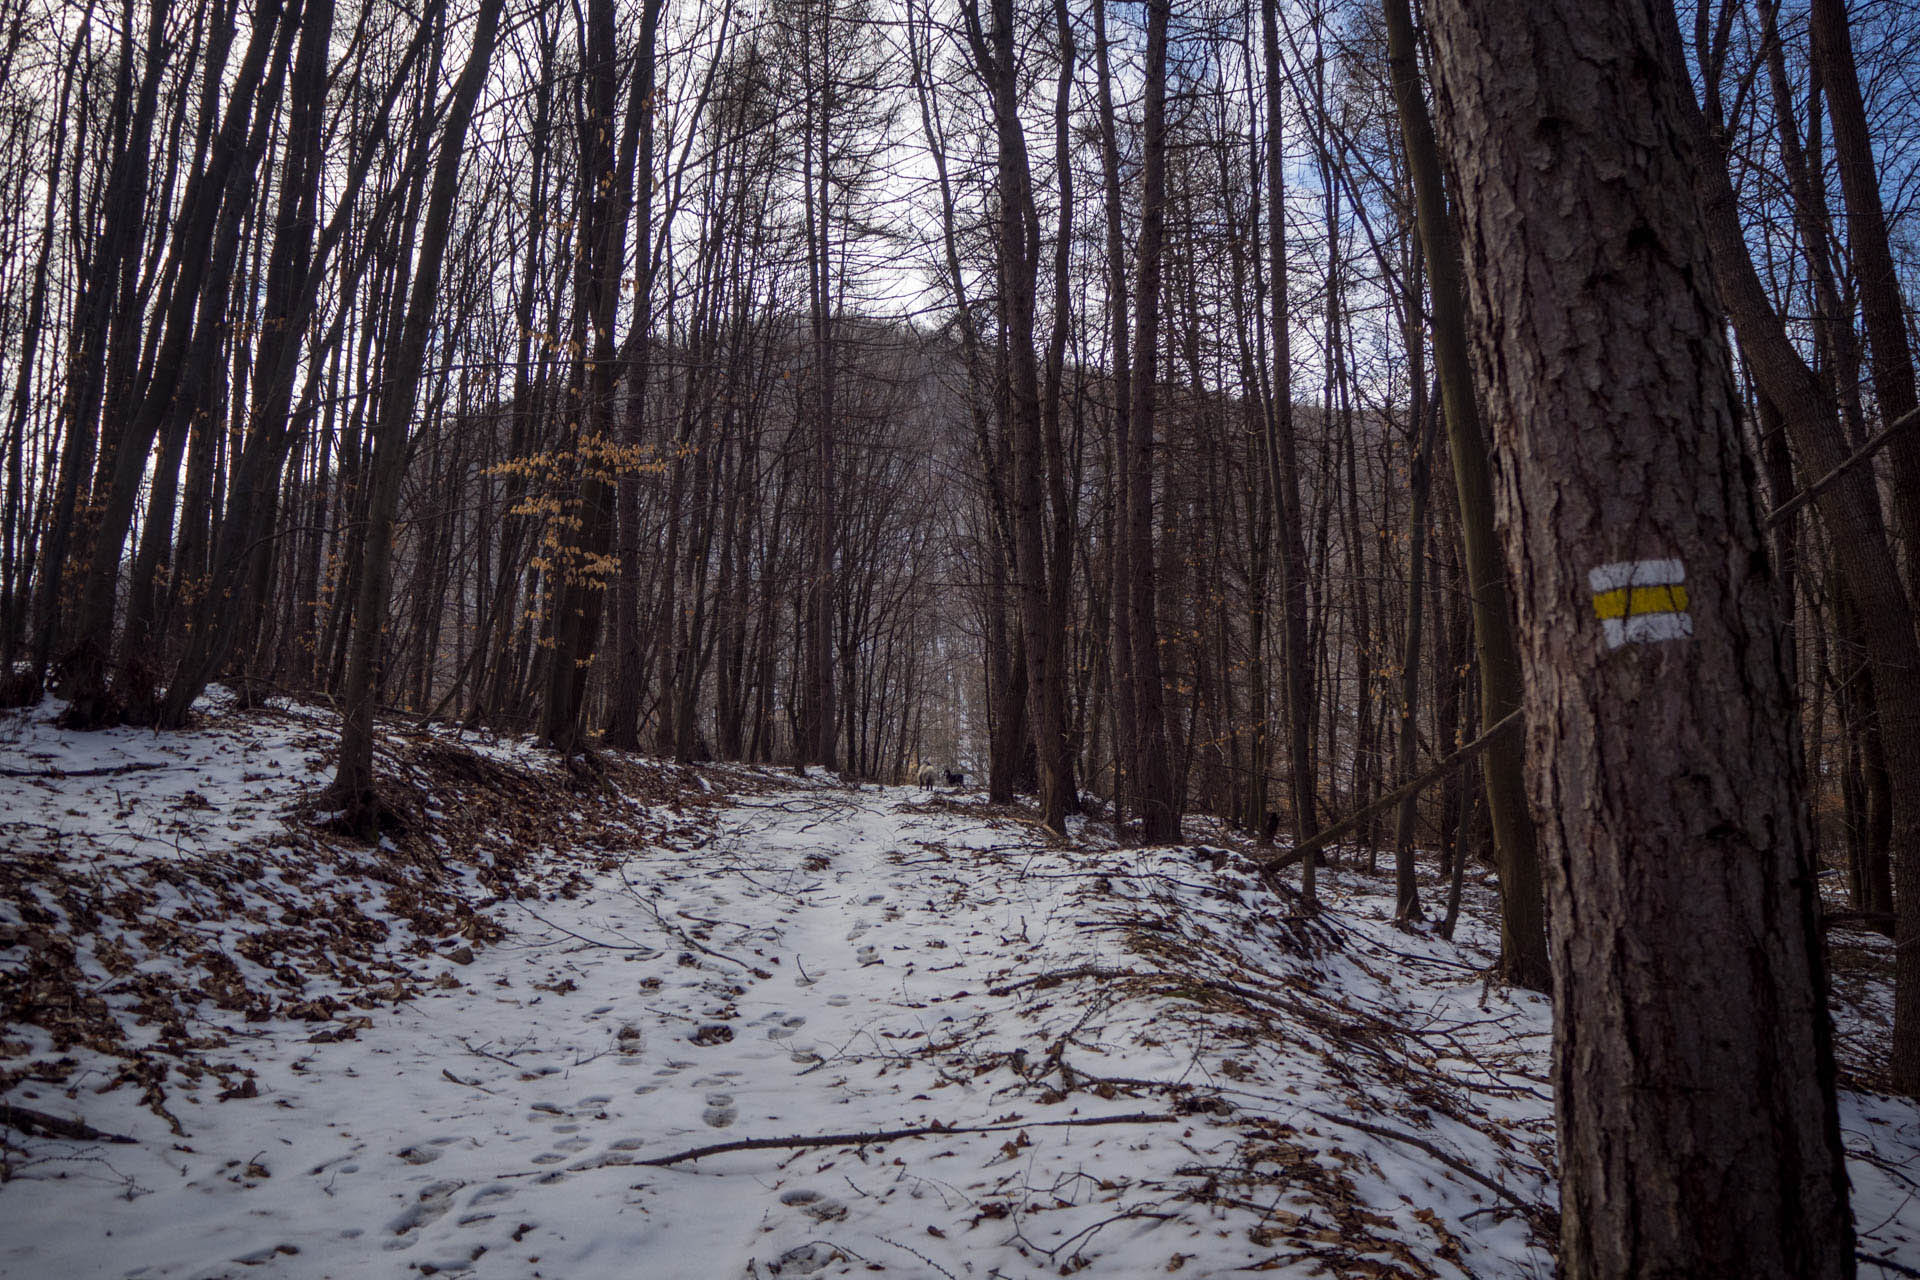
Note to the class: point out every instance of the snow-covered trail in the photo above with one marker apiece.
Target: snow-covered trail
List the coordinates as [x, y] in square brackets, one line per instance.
[1174, 1074]
[822, 961]
[495, 1126]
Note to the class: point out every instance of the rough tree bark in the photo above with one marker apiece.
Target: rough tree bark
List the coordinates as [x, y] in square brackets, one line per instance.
[1694, 1081]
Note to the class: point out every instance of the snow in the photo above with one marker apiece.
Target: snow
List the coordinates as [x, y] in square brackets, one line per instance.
[1175, 1070]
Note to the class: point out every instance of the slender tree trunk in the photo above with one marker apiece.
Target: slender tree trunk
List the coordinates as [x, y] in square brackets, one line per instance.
[607, 173]
[1018, 258]
[1861, 549]
[1159, 803]
[1126, 717]
[1406, 887]
[1881, 307]
[1523, 939]
[1296, 653]
[352, 792]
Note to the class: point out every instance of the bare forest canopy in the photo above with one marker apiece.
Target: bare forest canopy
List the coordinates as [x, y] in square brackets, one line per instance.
[835, 381]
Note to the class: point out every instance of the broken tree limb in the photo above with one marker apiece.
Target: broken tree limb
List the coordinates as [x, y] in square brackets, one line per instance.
[105, 771]
[891, 1135]
[1885, 1263]
[1876, 921]
[1321, 839]
[1834, 476]
[1452, 1162]
[27, 1120]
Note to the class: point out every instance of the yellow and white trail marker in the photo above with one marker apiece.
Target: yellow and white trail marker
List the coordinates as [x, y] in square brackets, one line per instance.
[1641, 601]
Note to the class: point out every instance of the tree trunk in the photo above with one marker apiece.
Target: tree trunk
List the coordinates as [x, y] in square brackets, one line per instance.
[1406, 888]
[1881, 308]
[1523, 939]
[607, 174]
[1284, 468]
[1159, 804]
[352, 790]
[1861, 549]
[1694, 1080]
[1018, 262]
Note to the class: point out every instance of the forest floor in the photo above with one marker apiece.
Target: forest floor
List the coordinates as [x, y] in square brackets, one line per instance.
[232, 1044]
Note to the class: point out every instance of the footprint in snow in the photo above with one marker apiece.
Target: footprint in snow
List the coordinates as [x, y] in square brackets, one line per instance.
[434, 1200]
[801, 1260]
[419, 1155]
[550, 1157]
[490, 1195]
[867, 955]
[816, 1206]
[260, 1257]
[839, 1002]
[720, 1111]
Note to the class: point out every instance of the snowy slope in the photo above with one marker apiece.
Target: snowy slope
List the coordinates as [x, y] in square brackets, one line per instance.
[1119, 1062]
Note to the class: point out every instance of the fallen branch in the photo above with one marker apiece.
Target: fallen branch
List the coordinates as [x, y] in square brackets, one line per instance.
[1874, 921]
[891, 1135]
[1058, 976]
[1898, 1268]
[1452, 1162]
[484, 1053]
[104, 771]
[1220, 985]
[27, 1120]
